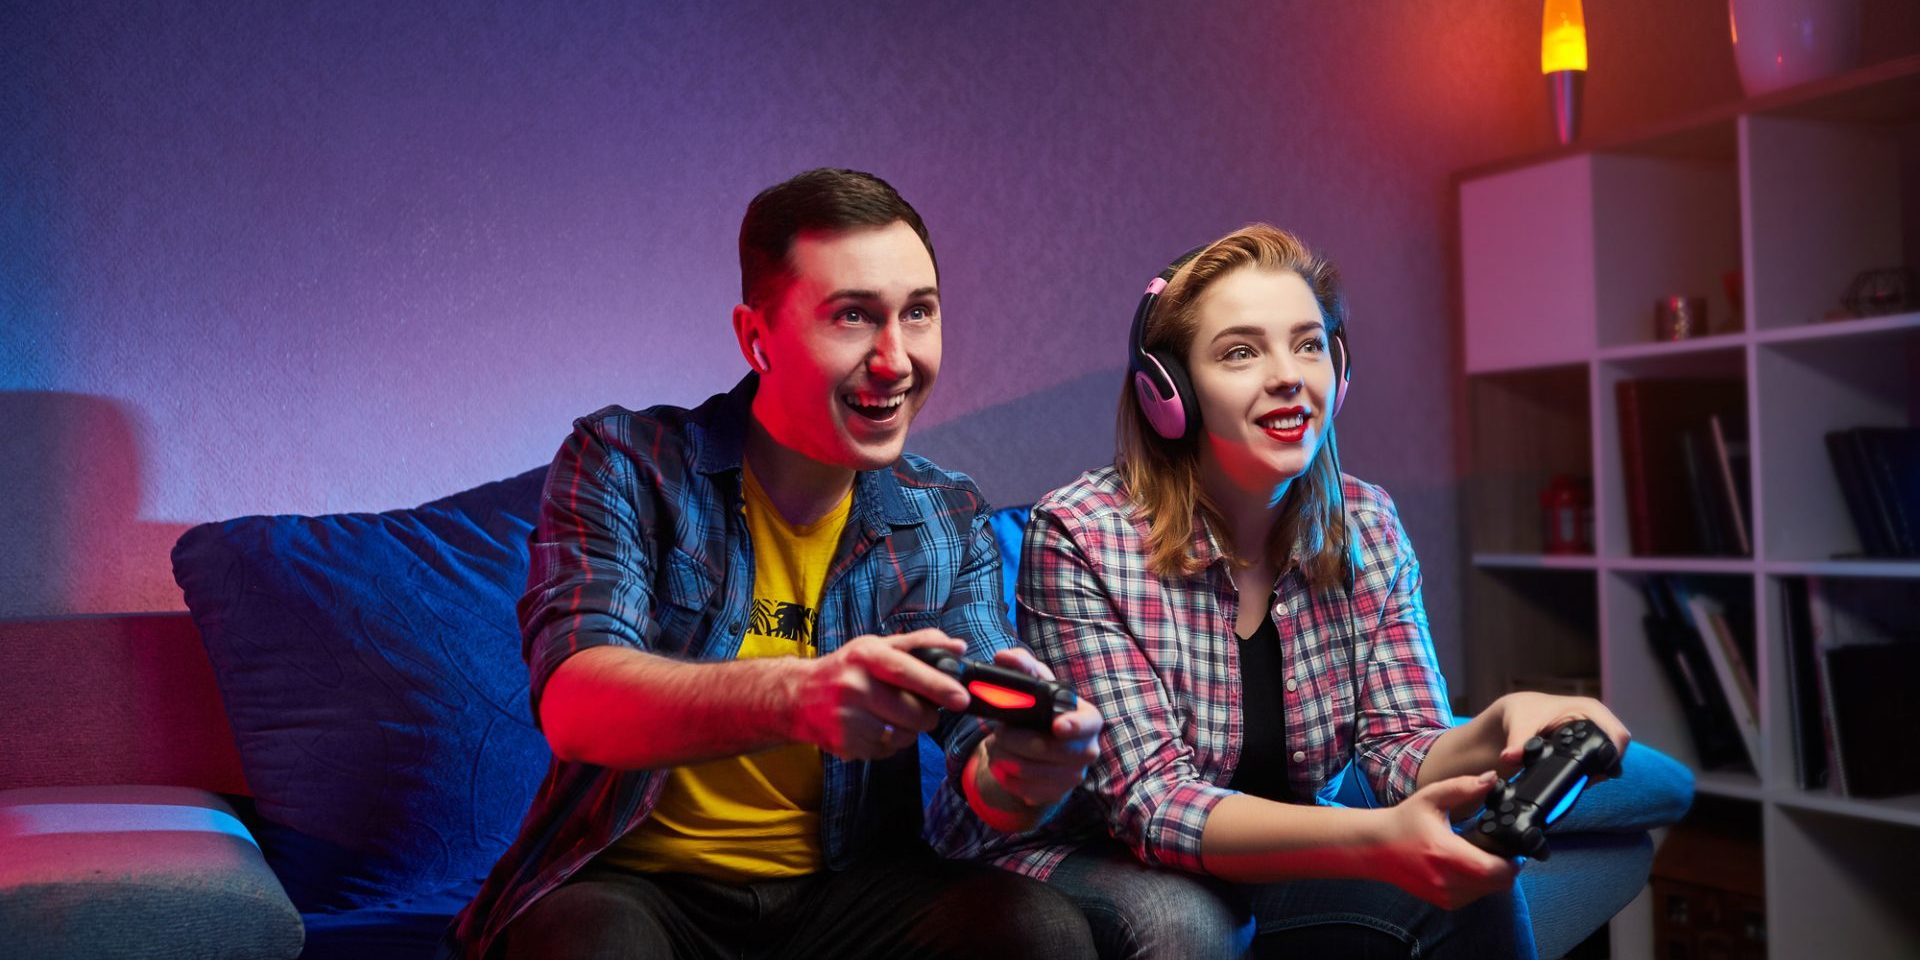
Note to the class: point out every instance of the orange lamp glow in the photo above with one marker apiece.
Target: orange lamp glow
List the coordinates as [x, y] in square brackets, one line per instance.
[1563, 37]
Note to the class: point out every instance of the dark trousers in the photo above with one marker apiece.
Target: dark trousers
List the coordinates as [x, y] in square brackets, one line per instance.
[917, 907]
[1141, 913]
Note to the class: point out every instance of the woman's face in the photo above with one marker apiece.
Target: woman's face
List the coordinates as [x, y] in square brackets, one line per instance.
[1263, 377]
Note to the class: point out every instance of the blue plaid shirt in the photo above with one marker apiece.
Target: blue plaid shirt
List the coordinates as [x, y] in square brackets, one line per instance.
[642, 542]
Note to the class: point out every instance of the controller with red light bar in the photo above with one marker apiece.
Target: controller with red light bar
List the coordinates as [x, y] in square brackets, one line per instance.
[1557, 766]
[1003, 693]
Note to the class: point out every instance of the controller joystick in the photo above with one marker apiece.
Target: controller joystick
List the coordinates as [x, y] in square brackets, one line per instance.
[1555, 770]
[1002, 693]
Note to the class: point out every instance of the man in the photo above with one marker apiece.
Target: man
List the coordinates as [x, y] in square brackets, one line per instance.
[718, 621]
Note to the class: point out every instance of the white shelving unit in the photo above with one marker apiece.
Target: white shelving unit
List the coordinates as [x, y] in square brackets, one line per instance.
[1563, 256]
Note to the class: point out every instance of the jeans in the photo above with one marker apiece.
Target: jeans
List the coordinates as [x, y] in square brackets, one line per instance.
[1141, 913]
[910, 907]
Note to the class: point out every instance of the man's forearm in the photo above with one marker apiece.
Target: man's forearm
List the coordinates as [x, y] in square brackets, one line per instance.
[623, 708]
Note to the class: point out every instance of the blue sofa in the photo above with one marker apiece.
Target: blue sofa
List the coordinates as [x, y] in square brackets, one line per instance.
[370, 669]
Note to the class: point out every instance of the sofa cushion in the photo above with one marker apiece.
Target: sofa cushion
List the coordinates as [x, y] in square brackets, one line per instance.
[101, 872]
[370, 665]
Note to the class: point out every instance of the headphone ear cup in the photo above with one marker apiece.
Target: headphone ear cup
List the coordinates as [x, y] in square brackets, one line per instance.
[1342, 373]
[1169, 403]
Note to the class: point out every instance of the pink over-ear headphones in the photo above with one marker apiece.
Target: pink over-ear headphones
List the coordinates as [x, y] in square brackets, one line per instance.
[1160, 380]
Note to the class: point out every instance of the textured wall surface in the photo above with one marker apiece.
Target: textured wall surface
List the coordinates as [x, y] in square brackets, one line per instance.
[352, 256]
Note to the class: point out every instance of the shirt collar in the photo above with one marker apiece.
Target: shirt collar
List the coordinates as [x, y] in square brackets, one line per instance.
[1208, 549]
[722, 423]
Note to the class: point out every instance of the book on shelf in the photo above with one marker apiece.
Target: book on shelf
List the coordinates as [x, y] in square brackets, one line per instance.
[1803, 687]
[1879, 473]
[1670, 464]
[1866, 639]
[1683, 655]
[1709, 620]
[1732, 459]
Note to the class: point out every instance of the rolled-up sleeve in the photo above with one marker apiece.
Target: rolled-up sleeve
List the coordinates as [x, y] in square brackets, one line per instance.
[1074, 583]
[974, 614]
[591, 575]
[1403, 705]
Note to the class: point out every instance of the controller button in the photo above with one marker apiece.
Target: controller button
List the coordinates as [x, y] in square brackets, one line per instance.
[1488, 826]
[1506, 818]
[1508, 807]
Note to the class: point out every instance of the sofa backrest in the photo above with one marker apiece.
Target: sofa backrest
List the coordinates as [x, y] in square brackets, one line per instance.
[126, 698]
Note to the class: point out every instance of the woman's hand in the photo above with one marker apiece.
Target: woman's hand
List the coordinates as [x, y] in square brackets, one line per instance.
[1420, 853]
[1528, 715]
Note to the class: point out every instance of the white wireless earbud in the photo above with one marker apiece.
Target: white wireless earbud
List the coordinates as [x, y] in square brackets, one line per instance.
[759, 358]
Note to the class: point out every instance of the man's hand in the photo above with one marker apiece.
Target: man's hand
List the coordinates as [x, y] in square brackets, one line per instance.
[1527, 715]
[870, 698]
[1422, 855]
[1015, 775]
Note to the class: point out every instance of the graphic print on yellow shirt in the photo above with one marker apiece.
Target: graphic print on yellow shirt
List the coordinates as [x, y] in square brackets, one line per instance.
[757, 816]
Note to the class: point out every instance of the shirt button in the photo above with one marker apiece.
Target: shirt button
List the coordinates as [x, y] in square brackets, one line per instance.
[1299, 756]
[1291, 685]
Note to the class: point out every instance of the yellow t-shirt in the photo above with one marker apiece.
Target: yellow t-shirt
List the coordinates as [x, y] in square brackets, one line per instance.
[757, 816]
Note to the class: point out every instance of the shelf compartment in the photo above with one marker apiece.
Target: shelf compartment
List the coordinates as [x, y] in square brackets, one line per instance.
[1808, 388]
[1685, 488]
[1663, 227]
[1523, 429]
[1571, 255]
[1824, 203]
[1637, 682]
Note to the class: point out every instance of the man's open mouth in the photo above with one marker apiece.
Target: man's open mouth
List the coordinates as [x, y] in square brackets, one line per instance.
[875, 406]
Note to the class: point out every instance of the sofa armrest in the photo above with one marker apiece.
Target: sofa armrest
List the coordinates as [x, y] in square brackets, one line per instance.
[124, 871]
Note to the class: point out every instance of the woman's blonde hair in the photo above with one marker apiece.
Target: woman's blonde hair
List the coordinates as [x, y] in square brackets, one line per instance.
[1163, 476]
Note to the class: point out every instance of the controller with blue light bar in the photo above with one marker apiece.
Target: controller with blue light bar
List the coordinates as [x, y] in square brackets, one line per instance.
[1556, 768]
[1002, 693]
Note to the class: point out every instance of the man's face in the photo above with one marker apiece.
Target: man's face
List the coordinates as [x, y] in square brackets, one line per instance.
[852, 345]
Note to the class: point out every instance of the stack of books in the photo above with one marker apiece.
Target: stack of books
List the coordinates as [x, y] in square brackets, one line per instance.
[1684, 457]
[1707, 655]
[1879, 473]
[1853, 654]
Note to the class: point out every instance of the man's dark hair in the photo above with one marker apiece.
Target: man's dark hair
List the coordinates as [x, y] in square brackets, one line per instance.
[823, 199]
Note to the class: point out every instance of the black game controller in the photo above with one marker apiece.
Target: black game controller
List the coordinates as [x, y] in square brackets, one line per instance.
[1556, 768]
[1001, 693]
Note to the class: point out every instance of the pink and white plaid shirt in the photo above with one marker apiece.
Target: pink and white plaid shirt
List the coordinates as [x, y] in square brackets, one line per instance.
[1160, 658]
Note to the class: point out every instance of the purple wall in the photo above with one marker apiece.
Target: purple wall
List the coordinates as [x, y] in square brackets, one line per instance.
[359, 255]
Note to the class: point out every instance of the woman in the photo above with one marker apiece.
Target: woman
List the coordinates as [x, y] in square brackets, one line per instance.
[1249, 621]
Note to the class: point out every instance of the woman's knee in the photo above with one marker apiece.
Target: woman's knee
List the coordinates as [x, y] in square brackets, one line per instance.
[1140, 913]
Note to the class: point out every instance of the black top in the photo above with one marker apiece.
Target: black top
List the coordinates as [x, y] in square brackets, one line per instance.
[1262, 770]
